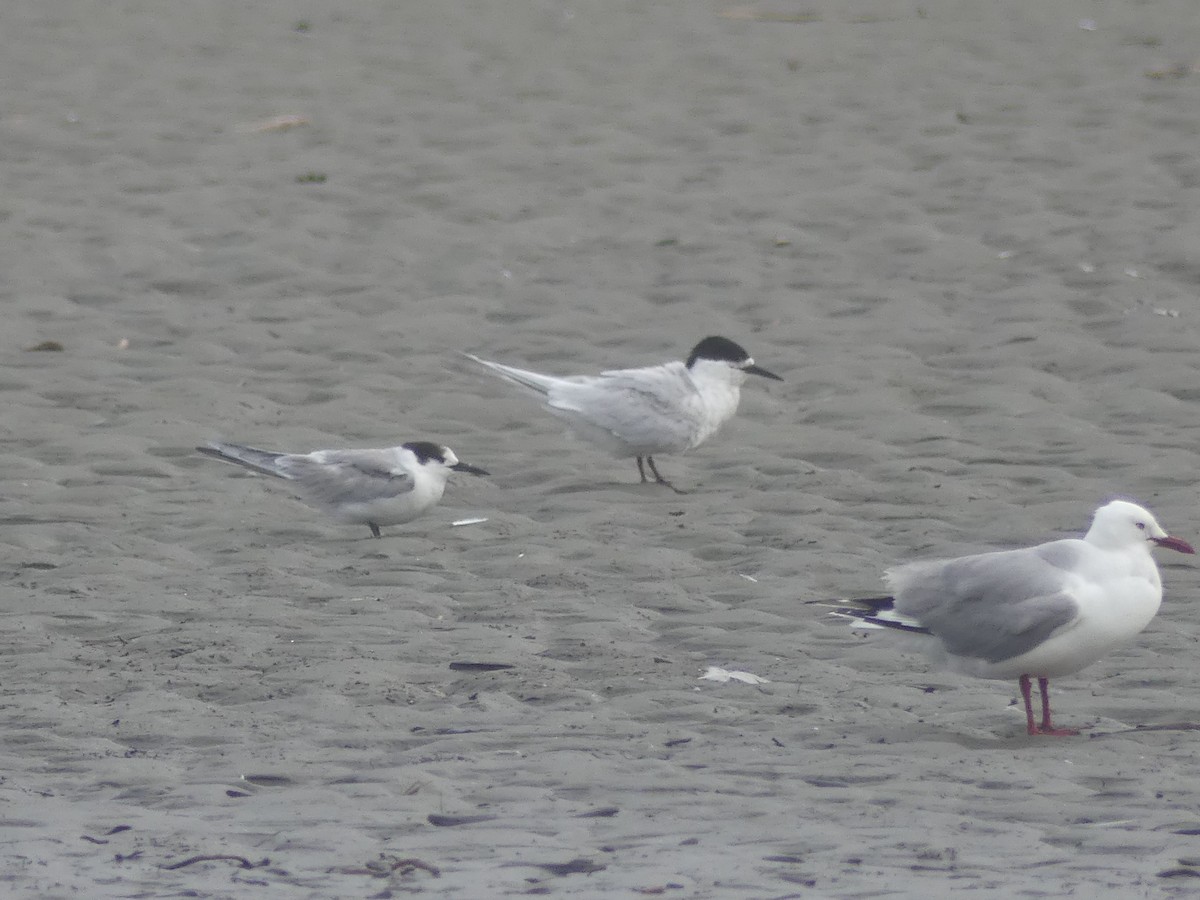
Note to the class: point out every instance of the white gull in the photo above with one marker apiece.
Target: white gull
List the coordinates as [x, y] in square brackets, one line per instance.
[1038, 612]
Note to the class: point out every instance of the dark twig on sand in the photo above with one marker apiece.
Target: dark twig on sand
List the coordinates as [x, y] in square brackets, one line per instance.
[387, 865]
[580, 865]
[242, 862]
[451, 821]
[480, 666]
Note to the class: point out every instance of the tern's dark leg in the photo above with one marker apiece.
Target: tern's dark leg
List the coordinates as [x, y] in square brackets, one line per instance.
[642, 470]
[374, 529]
[659, 478]
[1046, 727]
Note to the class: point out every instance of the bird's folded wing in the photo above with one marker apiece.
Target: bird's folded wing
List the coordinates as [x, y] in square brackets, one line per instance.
[655, 407]
[993, 606]
[351, 476]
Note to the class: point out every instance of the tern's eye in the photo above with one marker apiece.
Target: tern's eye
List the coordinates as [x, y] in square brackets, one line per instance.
[1141, 526]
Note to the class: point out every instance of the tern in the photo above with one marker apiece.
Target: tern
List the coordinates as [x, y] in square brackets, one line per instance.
[648, 411]
[362, 487]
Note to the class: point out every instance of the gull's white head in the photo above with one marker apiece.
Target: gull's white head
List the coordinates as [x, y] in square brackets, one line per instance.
[721, 358]
[436, 457]
[1122, 524]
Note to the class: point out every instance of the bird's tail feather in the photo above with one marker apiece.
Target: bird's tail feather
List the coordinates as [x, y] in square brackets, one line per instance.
[264, 461]
[533, 381]
[872, 612]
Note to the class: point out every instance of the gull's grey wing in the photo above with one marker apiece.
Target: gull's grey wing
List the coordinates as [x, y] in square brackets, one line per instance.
[344, 477]
[993, 606]
[655, 407]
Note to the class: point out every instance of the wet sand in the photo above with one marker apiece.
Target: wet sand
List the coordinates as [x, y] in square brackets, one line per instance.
[966, 234]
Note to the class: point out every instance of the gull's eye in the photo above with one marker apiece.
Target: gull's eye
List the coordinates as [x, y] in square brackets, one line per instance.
[1141, 526]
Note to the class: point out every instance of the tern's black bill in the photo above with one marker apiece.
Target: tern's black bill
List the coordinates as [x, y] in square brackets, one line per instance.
[759, 370]
[474, 470]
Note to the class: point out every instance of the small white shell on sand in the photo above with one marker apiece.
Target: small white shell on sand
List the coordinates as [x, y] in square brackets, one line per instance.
[716, 673]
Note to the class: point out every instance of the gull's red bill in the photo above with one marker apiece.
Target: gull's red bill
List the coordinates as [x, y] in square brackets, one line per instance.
[1174, 543]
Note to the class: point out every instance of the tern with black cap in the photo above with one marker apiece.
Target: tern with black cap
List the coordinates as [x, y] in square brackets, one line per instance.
[363, 487]
[642, 413]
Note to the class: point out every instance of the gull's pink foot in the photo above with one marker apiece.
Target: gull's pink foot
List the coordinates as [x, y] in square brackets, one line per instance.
[1050, 730]
[1046, 727]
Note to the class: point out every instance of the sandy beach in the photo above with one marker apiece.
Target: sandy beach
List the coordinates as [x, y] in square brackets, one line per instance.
[967, 235]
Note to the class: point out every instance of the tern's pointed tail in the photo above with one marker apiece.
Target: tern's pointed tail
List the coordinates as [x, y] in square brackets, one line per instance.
[873, 612]
[539, 384]
[264, 461]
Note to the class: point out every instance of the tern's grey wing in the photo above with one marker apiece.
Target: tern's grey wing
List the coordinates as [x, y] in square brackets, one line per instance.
[993, 606]
[345, 477]
[655, 408]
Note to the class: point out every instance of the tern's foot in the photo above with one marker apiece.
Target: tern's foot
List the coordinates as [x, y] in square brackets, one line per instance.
[658, 479]
[1050, 731]
[375, 532]
[666, 483]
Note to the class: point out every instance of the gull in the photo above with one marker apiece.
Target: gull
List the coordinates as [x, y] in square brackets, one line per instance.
[639, 413]
[363, 487]
[1038, 612]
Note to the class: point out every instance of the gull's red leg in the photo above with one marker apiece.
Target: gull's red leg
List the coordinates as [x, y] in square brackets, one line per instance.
[1026, 688]
[1047, 726]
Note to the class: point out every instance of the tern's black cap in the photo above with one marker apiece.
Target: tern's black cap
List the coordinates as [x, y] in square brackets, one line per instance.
[719, 349]
[426, 451]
